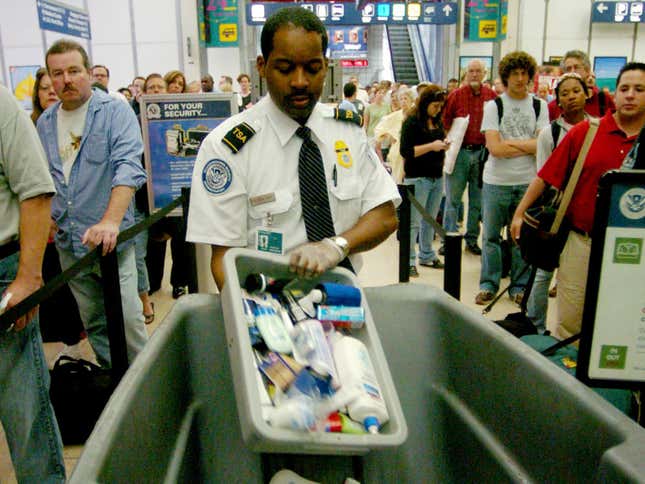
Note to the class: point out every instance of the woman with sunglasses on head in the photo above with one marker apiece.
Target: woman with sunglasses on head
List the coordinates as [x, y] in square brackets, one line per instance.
[423, 147]
[570, 95]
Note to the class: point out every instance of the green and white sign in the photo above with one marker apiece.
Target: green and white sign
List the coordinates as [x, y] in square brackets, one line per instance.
[617, 349]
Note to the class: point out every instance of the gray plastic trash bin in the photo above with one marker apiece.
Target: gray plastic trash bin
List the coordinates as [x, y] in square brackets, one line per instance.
[480, 406]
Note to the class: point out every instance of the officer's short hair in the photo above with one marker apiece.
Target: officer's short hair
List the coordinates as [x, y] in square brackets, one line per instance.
[297, 17]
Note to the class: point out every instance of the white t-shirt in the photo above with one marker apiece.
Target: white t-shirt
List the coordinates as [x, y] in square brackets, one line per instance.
[519, 123]
[70, 125]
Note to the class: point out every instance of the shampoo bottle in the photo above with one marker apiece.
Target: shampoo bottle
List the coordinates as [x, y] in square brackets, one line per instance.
[355, 370]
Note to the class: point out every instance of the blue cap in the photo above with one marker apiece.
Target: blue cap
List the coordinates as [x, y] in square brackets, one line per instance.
[371, 425]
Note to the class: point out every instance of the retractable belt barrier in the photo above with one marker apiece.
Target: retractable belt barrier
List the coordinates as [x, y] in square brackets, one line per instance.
[452, 243]
[9, 317]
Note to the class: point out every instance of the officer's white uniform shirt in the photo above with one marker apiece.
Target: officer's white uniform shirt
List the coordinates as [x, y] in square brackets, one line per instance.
[234, 194]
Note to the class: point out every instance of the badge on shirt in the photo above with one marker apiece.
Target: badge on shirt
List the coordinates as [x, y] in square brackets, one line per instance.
[269, 240]
[217, 176]
[343, 156]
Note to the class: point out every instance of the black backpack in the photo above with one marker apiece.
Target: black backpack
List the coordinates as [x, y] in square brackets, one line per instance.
[537, 105]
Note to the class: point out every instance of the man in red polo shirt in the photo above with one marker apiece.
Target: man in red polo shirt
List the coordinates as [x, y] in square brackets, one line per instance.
[598, 103]
[615, 136]
[464, 101]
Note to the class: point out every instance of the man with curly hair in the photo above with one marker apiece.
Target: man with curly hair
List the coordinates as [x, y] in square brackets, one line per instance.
[510, 126]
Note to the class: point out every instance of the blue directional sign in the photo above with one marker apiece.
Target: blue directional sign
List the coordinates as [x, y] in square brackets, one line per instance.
[63, 18]
[617, 12]
[443, 13]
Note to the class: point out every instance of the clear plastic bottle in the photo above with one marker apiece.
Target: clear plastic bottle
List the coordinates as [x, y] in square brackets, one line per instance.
[355, 370]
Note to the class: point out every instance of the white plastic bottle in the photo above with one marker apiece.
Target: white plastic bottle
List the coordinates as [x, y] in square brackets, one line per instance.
[355, 370]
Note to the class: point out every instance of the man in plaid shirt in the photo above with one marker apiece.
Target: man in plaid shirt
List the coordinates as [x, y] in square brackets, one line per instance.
[467, 100]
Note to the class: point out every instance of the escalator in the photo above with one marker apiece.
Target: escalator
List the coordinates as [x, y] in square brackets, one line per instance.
[403, 63]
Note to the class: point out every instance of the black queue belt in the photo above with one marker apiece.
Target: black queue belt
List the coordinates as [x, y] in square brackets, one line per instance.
[8, 318]
[452, 243]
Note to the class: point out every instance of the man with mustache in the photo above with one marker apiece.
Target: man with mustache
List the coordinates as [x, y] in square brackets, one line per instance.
[94, 147]
[247, 188]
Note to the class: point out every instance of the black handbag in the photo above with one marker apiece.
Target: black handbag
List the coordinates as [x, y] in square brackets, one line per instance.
[544, 229]
[79, 391]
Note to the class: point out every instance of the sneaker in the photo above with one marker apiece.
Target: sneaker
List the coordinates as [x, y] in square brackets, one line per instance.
[484, 297]
[435, 264]
[413, 271]
[473, 249]
[517, 298]
[442, 250]
[178, 291]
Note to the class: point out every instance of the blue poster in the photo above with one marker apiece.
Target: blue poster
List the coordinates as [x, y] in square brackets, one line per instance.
[23, 79]
[482, 20]
[606, 70]
[64, 19]
[348, 42]
[174, 127]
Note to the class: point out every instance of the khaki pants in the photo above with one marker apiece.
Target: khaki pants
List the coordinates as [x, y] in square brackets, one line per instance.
[572, 282]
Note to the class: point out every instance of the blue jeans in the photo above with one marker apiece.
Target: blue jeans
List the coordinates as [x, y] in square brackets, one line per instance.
[87, 288]
[140, 248]
[25, 409]
[498, 205]
[466, 172]
[538, 302]
[428, 191]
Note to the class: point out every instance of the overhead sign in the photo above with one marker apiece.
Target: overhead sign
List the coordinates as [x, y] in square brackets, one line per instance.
[220, 23]
[174, 126]
[347, 42]
[61, 18]
[612, 348]
[392, 13]
[617, 12]
[485, 20]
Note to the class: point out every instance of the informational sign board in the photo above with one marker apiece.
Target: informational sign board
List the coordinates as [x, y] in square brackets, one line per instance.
[612, 347]
[174, 126]
[23, 79]
[221, 23]
[347, 42]
[606, 70]
[617, 12]
[64, 19]
[485, 20]
[372, 13]
[465, 60]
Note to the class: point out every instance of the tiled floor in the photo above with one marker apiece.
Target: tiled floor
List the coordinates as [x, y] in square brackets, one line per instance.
[380, 268]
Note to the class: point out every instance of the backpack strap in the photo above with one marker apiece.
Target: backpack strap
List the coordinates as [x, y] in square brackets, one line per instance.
[537, 106]
[555, 132]
[500, 109]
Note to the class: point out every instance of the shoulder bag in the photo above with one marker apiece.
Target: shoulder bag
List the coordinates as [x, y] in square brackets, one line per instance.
[544, 229]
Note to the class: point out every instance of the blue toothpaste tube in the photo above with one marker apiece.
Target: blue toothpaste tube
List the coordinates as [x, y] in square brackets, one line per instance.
[350, 317]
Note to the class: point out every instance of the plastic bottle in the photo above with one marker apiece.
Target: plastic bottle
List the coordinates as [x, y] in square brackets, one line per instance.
[333, 294]
[354, 369]
[294, 414]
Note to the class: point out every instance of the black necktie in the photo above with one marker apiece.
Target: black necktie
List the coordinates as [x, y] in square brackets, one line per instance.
[313, 192]
[313, 189]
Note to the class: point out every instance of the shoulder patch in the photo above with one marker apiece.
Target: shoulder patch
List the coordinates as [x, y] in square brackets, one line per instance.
[237, 137]
[216, 176]
[348, 115]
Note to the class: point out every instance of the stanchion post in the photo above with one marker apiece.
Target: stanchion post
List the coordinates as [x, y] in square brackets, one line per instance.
[192, 258]
[452, 269]
[114, 312]
[404, 233]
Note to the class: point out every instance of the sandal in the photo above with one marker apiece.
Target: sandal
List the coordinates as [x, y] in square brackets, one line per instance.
[149, 318]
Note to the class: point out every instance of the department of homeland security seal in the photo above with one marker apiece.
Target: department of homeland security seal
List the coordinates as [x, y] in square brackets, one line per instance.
[217, 176]
[632, 203]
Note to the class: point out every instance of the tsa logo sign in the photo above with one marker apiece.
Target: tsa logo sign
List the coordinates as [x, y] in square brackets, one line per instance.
[628, 250]
[632, 204]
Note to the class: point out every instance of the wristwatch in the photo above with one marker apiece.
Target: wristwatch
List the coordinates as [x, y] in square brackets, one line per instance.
[342, 243]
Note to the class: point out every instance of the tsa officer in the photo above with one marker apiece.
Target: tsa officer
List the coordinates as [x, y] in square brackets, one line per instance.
[247, 187]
